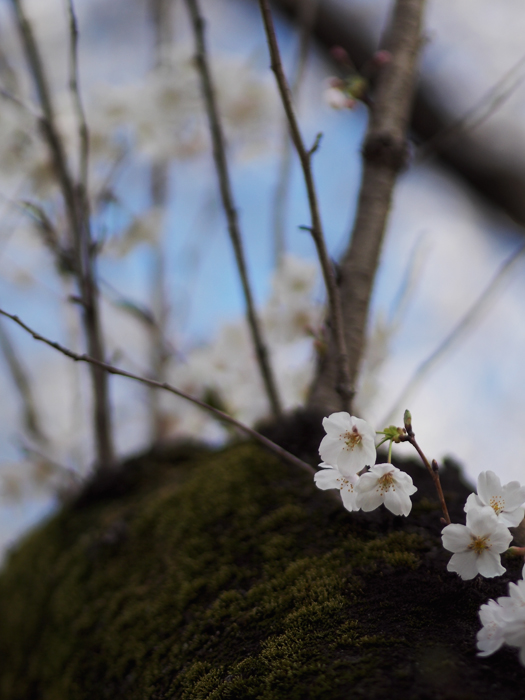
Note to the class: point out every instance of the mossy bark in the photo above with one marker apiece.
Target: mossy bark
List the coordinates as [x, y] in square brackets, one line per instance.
[227, 575]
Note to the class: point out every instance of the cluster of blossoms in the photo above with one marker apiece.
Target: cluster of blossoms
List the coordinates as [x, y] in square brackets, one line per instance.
[346, 450]
[503, 622]
[478, 545]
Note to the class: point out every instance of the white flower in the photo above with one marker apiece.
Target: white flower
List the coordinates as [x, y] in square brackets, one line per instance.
[331, 478]
[335, 98]
[349, 444]
[514, 631]
[505, 500]
[477, 545]
[494, 617]
[385, 484]
[504, 621]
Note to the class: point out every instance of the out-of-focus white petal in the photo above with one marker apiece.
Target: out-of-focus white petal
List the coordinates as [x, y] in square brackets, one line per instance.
[473, 501]
[513, 518]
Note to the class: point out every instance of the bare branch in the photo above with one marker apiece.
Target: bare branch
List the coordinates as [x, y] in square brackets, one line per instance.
[342, 383]
[221, 164]
[23, 385]
[306, 17]
[83, 131]
[384, 155]
[77, 210]
[219, 415]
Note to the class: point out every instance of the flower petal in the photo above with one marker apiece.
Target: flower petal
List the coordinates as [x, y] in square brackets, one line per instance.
[513, 495]
[489, 485]
[398, 502]
[464, 564]
[500, 538]
[337, 423]
[473, 501]
[369, 500]
[328, 479]
[330, 449]
[456, 537]
[489, 564]
[482, 521]
[512, 518]
[349, 497]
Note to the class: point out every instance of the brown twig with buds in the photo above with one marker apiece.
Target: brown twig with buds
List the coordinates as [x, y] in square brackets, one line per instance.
[433, 469]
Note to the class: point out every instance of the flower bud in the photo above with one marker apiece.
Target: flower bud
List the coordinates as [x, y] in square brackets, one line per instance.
[407, 420]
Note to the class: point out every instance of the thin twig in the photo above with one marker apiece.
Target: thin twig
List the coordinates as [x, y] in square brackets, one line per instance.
[463, 324]
[77, 211]
[23, 385]
[221, 164]
[491, 101]
[159, 191]
[384, 155]
[432, 470]
[220, 415]
[306, 17]
[83, 131]
[343, 384]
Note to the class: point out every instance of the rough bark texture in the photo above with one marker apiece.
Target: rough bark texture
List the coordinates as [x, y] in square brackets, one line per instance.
[384, 154]
[228, 575]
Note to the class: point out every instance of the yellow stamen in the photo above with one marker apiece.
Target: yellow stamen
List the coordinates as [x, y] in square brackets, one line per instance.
[352, 438]
[386, 482]
[498, 504]
[479, 544]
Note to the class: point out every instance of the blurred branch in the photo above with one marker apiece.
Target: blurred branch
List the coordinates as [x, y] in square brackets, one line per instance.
[159, 184]
[384, 155]
[342, 384]
[491, 101]
[219, 154]
[77, 210]
[219, 415]
[501, 182]
[83, 131]
[23, 385]
[463, 325]
[307, 13]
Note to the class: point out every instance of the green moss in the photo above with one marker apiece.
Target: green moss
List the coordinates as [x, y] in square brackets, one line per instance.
[224, 575]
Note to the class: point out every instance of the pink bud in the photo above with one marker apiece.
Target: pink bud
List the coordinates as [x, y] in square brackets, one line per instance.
[339, 54]
[381, 58]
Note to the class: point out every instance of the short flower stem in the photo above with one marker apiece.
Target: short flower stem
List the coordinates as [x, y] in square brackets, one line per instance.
[433, 471]
[389, 460]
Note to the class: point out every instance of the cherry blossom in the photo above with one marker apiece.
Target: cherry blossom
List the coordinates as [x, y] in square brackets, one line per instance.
[331, 478]
[494, 617]
[503, 621]
[386, 484]
[477, 545]
[349, 444]
[505, 500]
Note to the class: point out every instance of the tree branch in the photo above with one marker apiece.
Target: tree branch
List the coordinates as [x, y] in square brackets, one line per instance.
[342, 383]
[77, 211]
[384, 155]
[219, 415]
[219, 155]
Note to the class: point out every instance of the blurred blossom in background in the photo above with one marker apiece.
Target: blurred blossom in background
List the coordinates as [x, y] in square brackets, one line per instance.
[169, 257]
